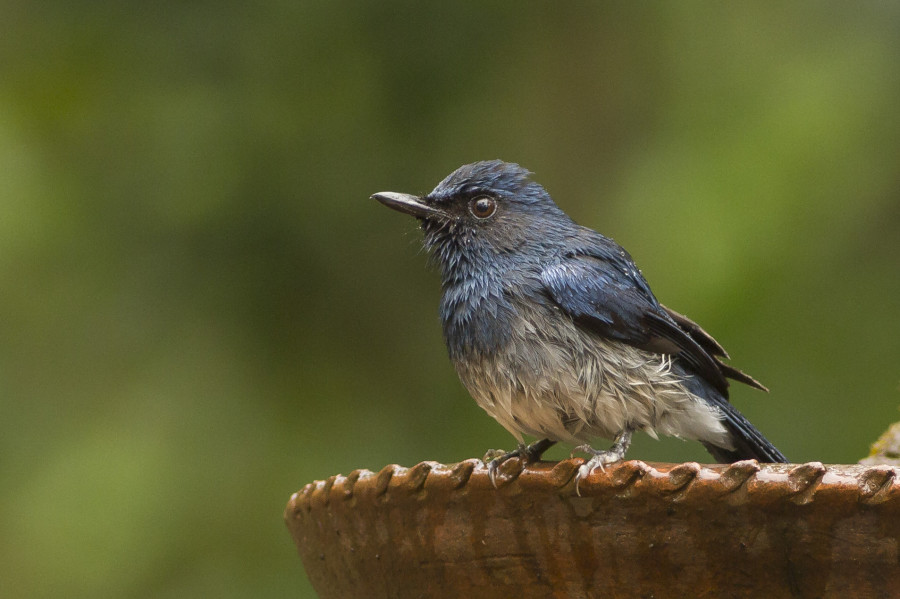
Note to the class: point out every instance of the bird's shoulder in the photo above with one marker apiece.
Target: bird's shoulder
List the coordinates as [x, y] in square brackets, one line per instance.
[589, 259]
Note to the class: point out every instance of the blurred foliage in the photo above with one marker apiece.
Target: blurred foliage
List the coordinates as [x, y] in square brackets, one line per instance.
[202, 310]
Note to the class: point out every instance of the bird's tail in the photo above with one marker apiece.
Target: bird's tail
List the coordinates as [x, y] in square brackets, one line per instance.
[749, 443]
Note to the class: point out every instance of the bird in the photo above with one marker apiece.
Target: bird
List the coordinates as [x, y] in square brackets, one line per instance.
[556, 334]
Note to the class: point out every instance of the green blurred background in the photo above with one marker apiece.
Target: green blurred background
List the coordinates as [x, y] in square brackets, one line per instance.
[202, 310]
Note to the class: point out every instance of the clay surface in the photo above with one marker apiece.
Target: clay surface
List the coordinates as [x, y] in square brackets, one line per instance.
[637, 530]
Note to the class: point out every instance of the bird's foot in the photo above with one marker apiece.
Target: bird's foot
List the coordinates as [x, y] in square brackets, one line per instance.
[494, 458]
[601, 457]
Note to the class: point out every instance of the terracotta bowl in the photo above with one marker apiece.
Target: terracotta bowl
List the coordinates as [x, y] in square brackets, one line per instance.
[636, 530]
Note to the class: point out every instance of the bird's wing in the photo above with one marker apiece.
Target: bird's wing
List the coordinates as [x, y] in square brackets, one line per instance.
[604, 293]
[697, 333]
[713, 348]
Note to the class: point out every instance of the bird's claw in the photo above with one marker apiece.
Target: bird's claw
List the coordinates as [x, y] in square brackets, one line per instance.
[601, 458]
[492, 454]
[494, 458]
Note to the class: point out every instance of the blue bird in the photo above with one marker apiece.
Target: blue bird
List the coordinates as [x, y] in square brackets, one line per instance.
[555, 333]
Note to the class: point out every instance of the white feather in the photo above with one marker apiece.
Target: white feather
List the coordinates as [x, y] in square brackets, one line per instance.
[574, 387]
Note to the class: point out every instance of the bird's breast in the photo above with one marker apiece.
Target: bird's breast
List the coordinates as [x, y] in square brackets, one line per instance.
[478, 317]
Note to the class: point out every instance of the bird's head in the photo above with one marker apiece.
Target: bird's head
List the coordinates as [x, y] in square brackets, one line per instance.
[485, 210]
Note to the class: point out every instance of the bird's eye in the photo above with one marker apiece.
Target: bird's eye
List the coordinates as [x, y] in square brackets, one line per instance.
[483, 206]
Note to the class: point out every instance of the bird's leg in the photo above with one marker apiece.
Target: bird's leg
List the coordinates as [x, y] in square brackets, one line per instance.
[528, 453]
[600, 458]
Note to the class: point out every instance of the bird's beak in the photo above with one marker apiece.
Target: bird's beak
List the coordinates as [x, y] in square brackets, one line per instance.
[409, 204]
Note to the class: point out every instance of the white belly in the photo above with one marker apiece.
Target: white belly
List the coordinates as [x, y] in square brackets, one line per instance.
[574, 388]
